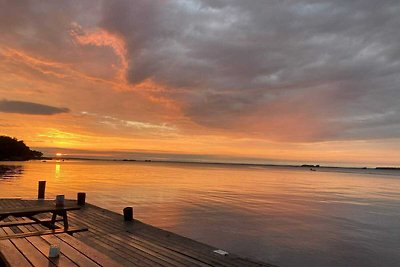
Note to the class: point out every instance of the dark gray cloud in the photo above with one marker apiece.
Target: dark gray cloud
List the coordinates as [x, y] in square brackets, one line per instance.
[335, 62]
[21, 107]
[43, 28]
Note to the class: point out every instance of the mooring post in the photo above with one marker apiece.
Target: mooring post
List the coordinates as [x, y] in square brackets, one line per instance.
[81, 198]
[128, 214]
[41, 189]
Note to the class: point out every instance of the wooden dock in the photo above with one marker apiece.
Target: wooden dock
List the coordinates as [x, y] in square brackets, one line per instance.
[134, 243]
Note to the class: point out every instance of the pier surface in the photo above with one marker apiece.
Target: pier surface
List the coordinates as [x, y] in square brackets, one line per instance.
[136, 243]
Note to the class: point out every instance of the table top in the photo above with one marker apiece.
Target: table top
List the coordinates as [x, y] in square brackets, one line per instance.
[40, 207]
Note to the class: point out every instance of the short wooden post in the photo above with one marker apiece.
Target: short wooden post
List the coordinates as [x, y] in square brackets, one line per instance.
[41, 189]
[81, 198]
[128, 214]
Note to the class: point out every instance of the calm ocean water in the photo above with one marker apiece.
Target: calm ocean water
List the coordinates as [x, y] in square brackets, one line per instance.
[281, 215]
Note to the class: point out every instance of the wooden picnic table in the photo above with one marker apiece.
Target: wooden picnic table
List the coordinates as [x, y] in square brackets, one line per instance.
[34, 251]
[40, 207]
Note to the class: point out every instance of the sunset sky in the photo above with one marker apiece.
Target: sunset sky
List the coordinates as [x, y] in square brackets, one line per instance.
[306, 81]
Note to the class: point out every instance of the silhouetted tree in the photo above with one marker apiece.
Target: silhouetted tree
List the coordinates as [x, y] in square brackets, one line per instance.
[14, 149]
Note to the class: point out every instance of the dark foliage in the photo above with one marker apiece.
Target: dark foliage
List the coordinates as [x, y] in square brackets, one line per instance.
[14, 149]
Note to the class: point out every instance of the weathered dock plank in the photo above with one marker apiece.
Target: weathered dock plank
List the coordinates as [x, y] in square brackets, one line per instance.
[29, 251]
[128, 243]
[6, 247]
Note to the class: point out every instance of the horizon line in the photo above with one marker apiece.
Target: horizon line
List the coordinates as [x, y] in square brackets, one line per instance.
[304, 165]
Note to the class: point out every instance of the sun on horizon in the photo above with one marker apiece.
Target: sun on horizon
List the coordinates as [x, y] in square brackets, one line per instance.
[216, 80]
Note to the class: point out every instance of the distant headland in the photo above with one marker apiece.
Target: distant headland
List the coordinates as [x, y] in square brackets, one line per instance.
[12, 149]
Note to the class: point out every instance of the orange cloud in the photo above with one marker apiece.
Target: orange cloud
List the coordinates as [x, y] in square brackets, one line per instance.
[46, 66]
[101, 37]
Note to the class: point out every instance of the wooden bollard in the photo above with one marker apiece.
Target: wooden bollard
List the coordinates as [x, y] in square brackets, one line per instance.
[81, 198]
[128, 214]
[41, 189]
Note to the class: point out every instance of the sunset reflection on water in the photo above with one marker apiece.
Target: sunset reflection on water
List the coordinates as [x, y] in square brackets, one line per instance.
[281, 215]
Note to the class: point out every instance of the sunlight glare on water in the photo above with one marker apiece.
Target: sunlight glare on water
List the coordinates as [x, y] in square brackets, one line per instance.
[281, 215]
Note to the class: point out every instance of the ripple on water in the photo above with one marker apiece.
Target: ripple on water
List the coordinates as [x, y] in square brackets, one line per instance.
[286, 216]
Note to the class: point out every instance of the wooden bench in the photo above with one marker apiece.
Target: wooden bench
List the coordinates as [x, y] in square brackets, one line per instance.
[34, 251]
[39, 208]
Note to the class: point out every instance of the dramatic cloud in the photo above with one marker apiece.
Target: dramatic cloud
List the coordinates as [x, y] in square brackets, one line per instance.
[273, 72]
[30, 108]
[235, 60]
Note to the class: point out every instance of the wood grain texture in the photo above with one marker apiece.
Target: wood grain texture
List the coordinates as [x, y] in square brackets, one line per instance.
[131, 243]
